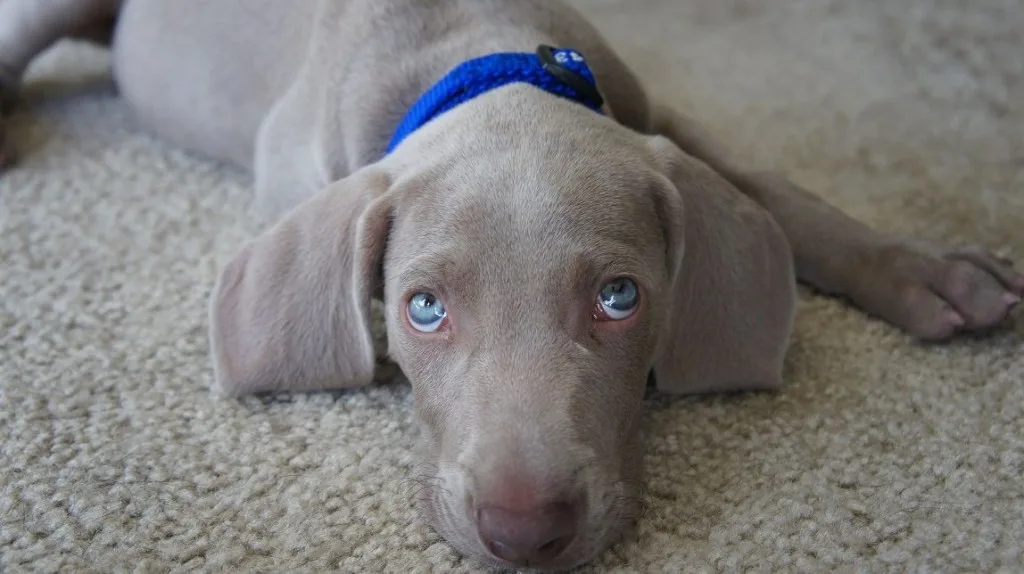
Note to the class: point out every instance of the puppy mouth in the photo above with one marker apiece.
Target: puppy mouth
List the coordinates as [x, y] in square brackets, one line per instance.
[616, 511]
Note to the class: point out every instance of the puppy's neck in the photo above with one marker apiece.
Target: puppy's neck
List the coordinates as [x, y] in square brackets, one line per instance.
[496, 126]
[560, 72]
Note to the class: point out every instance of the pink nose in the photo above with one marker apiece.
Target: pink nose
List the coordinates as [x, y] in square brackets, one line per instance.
[530, 536]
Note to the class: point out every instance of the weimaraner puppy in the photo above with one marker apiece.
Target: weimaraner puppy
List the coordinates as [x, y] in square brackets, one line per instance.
[543, 237]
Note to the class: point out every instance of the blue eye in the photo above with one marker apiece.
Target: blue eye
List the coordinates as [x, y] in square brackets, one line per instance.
[426, 312]
[619, 298]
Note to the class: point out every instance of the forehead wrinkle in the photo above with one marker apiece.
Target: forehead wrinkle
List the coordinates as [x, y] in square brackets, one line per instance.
[605, 262]
[618, 234]
[592, 210]
[435, 270]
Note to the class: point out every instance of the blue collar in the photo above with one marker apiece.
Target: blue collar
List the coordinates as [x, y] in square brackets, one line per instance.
[562, 72]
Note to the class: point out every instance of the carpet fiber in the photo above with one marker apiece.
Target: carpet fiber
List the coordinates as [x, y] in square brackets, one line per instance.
[880, 454]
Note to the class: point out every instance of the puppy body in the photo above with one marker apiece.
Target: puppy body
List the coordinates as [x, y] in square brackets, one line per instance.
[514, 209]
[308, 92]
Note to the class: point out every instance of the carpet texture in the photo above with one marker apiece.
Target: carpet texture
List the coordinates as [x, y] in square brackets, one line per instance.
[879, 455]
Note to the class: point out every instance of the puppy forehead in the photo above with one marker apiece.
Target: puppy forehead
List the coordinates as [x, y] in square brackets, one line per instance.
[529, 197]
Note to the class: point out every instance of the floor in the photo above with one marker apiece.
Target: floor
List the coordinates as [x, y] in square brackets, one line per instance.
[880, 454]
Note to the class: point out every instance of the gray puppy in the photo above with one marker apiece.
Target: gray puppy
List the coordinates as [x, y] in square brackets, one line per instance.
[540, 247]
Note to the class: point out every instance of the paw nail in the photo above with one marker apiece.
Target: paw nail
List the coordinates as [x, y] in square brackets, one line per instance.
[1011, 299]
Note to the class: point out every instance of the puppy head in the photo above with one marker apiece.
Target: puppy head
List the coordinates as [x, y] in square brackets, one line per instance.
[536, 263]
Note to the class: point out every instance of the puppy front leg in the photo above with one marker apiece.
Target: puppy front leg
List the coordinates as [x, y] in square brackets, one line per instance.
[29, 27]
[297, 148]
[929, 290]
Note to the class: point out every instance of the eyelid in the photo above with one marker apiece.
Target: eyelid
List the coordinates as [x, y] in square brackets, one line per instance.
[424, 287]
[612, 274]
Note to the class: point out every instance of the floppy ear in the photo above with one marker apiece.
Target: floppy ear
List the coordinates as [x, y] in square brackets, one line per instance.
[734, 290]
[291, 311]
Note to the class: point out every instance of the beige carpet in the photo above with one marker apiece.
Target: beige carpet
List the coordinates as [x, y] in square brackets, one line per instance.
[880, 455]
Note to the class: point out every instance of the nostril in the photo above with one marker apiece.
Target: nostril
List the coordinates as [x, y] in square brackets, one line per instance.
[553, 548]
[547, 551]
[527, 537]
[504, 552]
[547, 547]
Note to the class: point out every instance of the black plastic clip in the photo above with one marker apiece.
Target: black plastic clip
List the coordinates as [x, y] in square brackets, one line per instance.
[567, 76]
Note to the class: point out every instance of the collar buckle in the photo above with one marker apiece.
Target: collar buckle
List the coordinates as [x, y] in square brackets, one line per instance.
[557, 64]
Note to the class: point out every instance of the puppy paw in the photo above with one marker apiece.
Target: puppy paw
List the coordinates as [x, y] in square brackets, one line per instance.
[933, 292]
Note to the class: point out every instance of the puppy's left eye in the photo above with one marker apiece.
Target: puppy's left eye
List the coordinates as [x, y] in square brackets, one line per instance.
[617, 300]
[426, 313]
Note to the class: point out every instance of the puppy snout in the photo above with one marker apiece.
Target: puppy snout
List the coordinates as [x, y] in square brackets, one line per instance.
[530, 533]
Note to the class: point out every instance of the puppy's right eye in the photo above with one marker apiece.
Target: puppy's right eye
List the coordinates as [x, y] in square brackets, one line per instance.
[426, 313]
[618, 300]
